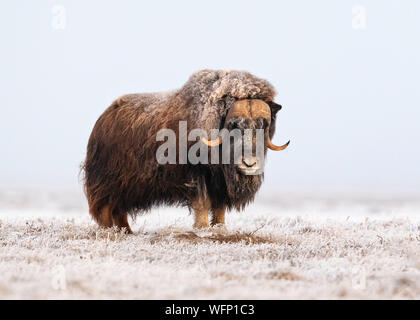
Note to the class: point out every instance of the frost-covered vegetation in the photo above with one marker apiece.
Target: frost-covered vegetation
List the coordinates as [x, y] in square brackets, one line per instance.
[299, 248]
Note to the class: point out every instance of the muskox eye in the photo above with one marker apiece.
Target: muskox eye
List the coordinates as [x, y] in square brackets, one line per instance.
[221, 103]
[262, 123]
[233, 124]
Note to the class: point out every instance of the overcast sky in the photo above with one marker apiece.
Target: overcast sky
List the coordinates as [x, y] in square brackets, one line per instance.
[349, 87]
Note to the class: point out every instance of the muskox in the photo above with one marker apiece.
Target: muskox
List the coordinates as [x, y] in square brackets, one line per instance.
[122, 175]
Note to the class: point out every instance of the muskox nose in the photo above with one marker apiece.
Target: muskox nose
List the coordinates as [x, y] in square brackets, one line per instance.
[249, 162]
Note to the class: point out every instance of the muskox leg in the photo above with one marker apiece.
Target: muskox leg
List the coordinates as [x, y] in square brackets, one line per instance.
[105, 218]
[218, 216]
[201, 207]
[121, 221]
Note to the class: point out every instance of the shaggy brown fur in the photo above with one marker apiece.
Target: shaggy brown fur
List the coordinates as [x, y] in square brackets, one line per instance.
[121, 173]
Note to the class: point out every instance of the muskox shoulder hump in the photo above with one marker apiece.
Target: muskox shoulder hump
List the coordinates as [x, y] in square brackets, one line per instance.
[143, 101]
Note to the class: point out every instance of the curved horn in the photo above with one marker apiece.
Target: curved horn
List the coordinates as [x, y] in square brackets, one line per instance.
[272, 146]
[212, 143]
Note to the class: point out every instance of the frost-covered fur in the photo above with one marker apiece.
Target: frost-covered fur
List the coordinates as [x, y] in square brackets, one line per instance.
[207, 87]
[121, 170]
[207, 95]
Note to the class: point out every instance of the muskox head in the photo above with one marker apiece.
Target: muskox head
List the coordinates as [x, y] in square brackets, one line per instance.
[253, 122]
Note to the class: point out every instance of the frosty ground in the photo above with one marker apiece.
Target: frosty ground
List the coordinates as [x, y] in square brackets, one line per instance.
[280, 248]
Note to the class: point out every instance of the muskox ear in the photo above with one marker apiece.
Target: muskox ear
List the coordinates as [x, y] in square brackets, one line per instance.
[274, 108]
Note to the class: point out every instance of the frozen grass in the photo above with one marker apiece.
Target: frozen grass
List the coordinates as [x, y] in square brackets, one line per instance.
[315, 249]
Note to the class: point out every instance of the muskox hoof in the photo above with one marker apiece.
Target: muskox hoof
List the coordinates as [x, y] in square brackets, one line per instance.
[121, 222]
[201, 225]
[219, 226]
[107, 220]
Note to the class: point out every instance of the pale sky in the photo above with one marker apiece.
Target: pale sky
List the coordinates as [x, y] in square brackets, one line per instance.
[351, 97]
